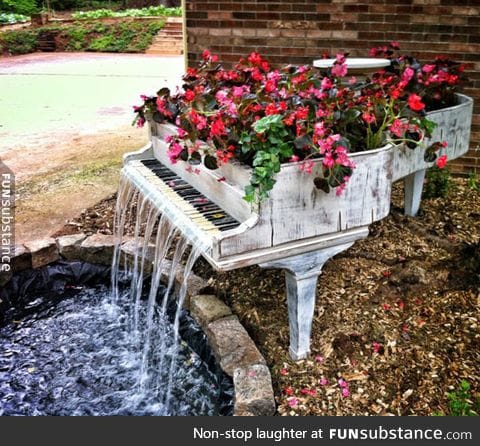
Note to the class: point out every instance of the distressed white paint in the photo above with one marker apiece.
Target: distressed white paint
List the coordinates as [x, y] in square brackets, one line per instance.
[453, 126]
[301, 276]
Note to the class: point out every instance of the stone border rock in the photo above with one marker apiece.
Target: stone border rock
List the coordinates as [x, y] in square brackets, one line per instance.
[235, 351]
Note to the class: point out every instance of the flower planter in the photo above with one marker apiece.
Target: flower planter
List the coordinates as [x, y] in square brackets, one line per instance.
[295, 208]
[453, 126]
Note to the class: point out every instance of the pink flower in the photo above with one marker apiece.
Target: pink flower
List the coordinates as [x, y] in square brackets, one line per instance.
[323, 381]
[328, 160]
[284, 372]
[442, 161]
[428, 68]
[319, 358]
[294, 159]
[293, 402]
[189, 95]
[376, 347]
[288, 391]
[345, 392]
[369, 118]
[342, 383]
[407, 75]
[326, 83]
[339, 70]
[397, 128]
[415, 102]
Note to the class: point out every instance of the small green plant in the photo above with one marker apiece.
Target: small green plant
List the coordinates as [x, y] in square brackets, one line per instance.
[131, 37]
[152, 11]
[460, 403]
[439, 183]
[19, 42]
[473, 182]
[12, 18]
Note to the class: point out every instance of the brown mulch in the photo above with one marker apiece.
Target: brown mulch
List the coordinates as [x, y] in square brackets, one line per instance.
[396, 315]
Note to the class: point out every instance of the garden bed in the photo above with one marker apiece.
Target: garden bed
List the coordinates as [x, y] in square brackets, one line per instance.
[396, 315]
[120, 35]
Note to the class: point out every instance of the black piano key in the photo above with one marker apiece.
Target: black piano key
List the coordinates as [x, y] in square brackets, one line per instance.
[211, 211]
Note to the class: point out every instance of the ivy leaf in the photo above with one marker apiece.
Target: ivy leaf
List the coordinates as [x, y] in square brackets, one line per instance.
[195, 158]
[183, 155]
[322, 184]
[338, 173]
[210, 162]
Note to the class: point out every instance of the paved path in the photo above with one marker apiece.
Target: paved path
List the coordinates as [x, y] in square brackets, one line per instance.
[65, 121]
[47, 95]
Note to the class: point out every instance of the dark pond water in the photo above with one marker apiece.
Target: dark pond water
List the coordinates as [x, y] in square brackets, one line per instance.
[79, 356]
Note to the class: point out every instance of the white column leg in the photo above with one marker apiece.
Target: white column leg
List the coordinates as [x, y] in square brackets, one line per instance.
[413, 192]
[301, 276]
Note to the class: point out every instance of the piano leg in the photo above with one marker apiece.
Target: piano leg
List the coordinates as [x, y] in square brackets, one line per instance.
[301, 274]
[413, 192]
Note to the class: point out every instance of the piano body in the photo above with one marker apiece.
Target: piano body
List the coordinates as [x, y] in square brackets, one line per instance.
[298, 228]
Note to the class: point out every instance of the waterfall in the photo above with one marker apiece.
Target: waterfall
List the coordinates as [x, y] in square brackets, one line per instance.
[134, 208]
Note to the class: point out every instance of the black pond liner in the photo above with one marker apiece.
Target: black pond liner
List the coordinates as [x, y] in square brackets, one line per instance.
[60, 281]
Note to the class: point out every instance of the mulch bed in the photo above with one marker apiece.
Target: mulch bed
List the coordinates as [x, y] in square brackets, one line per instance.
[396, 320]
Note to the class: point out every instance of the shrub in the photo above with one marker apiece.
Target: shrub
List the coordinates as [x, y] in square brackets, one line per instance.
[119, 37]
[438, 183]
[19, 42]
[152, 11]
[9, 18]
[25, 7]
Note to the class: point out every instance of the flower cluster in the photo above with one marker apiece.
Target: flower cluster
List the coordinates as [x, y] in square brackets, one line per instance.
[433, 83]
[264, 117]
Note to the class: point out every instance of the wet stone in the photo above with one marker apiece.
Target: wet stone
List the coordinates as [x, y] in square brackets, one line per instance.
[98, 248]
[5, 276]
[253, 391]
[21, 259]
[69, 245]
[207, 308]
[43, 251]
[232, 345]
[195, 285]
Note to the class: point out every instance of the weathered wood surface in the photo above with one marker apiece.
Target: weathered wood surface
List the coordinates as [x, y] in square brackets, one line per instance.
[453, 126]
[295, 209]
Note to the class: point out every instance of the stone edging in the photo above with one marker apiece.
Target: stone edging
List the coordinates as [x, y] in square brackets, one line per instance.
[234, 349]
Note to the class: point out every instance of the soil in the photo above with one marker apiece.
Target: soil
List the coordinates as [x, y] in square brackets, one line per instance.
[396, 318]
[75, 177]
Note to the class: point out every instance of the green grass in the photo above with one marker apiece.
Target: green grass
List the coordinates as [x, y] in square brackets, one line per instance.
[120, 37]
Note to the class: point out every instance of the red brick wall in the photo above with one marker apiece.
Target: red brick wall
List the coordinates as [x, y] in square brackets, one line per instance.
[298, 31]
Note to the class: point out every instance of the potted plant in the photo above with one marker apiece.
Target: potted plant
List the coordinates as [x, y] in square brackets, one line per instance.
[434, 86]
[266, 119]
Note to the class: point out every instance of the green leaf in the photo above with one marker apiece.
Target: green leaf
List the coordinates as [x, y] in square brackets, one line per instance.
[183, 155]
[302, 142]
[322, 184]
[163, 92]
[195, 158]
[210, 162]
[265, 123]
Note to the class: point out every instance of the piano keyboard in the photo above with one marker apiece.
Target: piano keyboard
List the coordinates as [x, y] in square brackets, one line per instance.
[199, 203]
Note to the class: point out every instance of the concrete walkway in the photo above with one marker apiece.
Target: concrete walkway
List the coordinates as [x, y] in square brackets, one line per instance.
[47, 95]
[65, 122]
